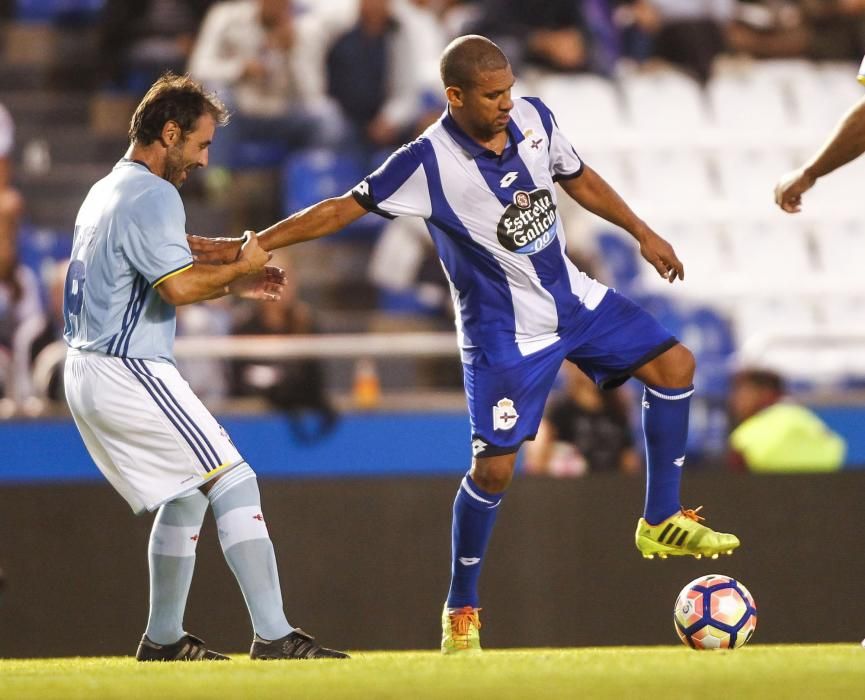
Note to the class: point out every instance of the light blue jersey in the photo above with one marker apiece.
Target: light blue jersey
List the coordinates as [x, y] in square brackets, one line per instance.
[130, 235]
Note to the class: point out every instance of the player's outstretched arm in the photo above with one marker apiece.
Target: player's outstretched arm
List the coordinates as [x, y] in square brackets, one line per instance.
[592, 192]
[213, 251]
[202, 281]
[316, 221]
[846, 143]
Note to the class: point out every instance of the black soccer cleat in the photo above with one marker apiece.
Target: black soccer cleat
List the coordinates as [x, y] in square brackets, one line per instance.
[187, 648]
[297, 645]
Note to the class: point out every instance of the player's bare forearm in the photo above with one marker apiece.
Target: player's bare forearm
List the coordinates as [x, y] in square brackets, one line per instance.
[321, 219]
[316, 221]
[213, 251]
[203, 281]
[846, 143]
[593, 193]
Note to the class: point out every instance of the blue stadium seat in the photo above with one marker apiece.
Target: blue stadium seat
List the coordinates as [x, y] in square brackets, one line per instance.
[710, 338]
[404, 303]
[35, 245]
[619, 257]
[60, 11]
[39, 248]
[258, 154]
[664, 310]
[315, 174]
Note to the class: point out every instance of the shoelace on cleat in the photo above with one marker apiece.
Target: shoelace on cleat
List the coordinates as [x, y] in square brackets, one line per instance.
[301, 645]
[693, 513]
[463, 619]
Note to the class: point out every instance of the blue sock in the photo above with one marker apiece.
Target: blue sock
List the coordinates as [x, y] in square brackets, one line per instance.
[474, 516]
[665, 425]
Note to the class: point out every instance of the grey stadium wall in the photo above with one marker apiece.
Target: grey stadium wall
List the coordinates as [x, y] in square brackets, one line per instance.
[364, 564]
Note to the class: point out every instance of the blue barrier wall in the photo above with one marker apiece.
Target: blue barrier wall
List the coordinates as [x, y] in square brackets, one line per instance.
[359, 445]
[849, 422]
[378, 444]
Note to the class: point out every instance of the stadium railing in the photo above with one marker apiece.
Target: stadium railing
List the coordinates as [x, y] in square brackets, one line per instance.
[277, 347]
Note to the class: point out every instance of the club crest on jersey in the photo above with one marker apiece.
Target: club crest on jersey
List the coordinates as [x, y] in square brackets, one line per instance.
[504, 415]
[522, 199]
[529, 224]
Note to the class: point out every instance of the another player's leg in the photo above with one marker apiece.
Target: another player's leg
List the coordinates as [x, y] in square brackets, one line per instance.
[474, 515]
[171, 556]
[666, 528]
[236, 503]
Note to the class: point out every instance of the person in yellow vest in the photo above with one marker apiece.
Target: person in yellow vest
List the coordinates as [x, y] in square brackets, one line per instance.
[775, 435]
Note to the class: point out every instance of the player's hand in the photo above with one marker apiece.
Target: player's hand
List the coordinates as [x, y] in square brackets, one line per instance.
[791, 187]
[660, 255]
[265, 285]
[252, 253]
[214, 251]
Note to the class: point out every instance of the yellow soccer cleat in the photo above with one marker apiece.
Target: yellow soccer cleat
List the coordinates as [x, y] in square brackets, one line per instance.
[682, 535]
[460, 630]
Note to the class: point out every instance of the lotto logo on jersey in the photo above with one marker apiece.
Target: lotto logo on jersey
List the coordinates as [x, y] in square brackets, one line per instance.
[529, 224]
[504, 415]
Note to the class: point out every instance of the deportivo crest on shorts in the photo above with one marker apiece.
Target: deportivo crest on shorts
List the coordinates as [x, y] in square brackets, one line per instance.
[529, 224]
[504, 415]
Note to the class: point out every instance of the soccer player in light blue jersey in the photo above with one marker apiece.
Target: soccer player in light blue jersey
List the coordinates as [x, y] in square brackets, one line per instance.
[151, 437]
[846, 143]
[483, 177]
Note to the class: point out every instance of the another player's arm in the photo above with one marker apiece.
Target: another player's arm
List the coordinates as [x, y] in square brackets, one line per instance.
[200, 282]
[316, 221]
[846, 143]
[592, 192]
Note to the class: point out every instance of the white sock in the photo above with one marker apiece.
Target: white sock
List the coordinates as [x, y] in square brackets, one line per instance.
[248, 550]
[171, 556]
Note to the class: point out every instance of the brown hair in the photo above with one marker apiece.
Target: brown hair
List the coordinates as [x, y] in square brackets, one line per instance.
[468, 55]
[176, 98]
[762, 379]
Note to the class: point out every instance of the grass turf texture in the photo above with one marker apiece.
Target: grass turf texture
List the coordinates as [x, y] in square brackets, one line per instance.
[790, 671]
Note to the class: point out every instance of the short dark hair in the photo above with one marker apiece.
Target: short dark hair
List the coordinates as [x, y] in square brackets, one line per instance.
[468, 55]
[762, 379]
[176, 98]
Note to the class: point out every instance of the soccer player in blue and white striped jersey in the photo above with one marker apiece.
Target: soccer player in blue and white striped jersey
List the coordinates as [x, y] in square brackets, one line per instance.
[151, 437]
[483, 177]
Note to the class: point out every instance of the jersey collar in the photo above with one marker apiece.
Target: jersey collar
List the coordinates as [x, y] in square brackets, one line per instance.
[136, 162]
[473, 147]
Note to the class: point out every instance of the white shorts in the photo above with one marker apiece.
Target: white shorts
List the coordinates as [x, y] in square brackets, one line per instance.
[148, 433]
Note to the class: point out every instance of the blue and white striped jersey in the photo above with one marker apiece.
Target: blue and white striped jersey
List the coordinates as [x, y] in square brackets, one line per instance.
[130, 235]
[495, 223]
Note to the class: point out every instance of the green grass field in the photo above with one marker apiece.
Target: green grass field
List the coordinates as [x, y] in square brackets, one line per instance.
[802, 671]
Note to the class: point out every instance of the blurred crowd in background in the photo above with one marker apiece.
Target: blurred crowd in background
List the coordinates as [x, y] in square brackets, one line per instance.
[321, 91]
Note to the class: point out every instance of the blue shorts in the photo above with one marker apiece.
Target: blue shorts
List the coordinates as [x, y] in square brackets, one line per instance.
[609, 343]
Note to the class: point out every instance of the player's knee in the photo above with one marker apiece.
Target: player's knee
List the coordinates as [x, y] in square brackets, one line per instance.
[493, 474]
[680, 367]
[689, 365]
[673, 369]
